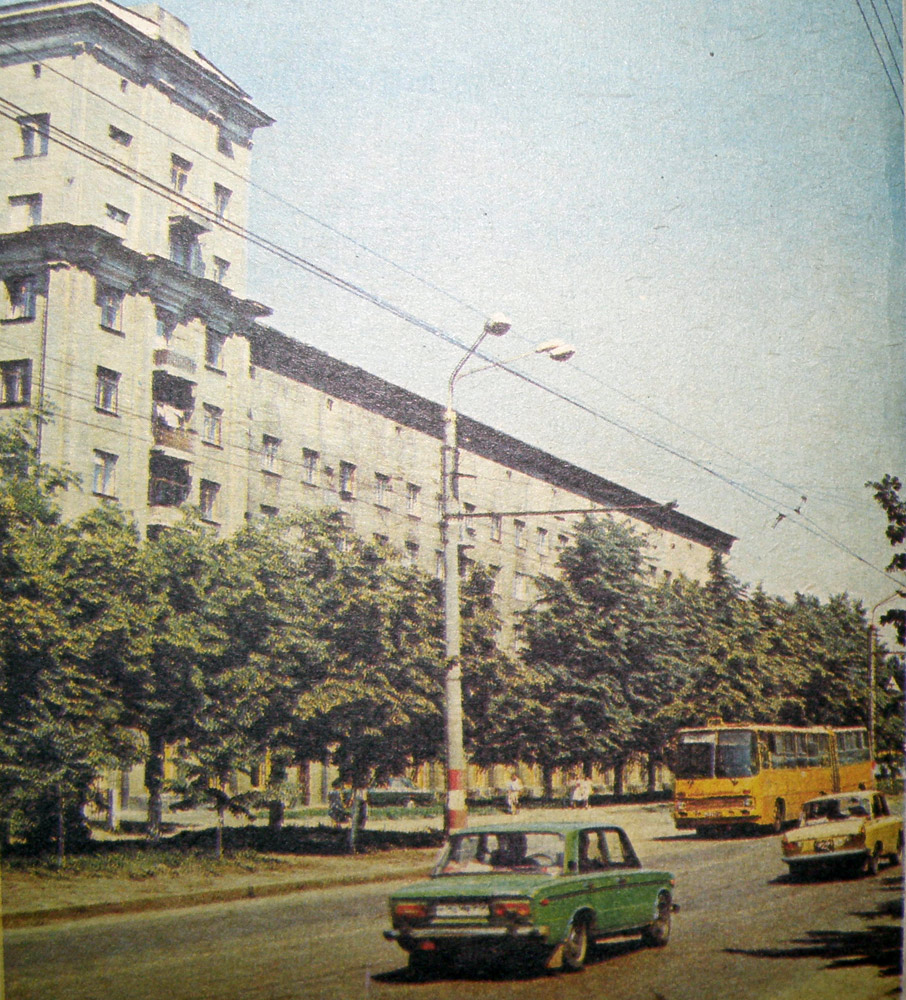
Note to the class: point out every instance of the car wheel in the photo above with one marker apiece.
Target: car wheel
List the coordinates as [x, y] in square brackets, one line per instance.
[657, 933]
[897, 857]
[779, 816]
[873, 861]
[575, 947]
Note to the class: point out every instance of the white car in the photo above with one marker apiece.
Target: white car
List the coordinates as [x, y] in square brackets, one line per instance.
[854, 829]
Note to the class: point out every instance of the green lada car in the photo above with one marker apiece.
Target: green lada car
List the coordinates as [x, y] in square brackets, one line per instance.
[545, 890]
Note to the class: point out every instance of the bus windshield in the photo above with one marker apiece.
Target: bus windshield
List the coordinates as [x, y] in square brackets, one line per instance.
[726, 754]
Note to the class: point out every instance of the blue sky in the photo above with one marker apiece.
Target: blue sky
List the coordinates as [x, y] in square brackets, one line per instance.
[705, 198]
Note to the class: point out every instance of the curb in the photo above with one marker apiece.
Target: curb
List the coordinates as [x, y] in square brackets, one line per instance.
[36, 918]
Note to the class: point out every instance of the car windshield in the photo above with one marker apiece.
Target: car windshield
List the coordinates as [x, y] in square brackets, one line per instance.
[502, 852]
[728, 754]
[828, 810]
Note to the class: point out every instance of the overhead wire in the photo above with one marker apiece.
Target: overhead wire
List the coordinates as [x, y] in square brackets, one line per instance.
[420, 278]
[357, 290]
[102, 159]
[874, 42]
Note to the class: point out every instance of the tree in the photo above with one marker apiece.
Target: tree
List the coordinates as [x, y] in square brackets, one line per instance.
[182, 570]
[887, 494]
[580, 642]
[70, 643]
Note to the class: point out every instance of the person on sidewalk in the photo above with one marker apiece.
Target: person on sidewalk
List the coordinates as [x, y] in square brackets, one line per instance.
[581, 793]
[513, 791]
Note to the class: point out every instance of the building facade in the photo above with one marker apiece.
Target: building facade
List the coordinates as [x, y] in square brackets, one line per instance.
[125, 156]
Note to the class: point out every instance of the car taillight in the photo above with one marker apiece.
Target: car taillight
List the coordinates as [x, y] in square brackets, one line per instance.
[748, 802]
[790, 847]
[410, 911]
[511, 909]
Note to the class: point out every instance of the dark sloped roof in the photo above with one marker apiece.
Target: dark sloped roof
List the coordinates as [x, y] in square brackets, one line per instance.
[275, 351]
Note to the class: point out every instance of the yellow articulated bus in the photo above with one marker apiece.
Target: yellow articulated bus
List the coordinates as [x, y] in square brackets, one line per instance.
[737, 775]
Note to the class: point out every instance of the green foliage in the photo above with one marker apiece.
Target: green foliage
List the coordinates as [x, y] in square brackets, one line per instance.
[71, 639]
[887, 494]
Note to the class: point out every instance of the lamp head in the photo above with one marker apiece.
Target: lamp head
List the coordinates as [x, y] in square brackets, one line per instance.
[497, 325]
[556, 349]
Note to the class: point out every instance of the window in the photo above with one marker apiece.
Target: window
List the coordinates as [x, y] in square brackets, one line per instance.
[207, 499]
[104, 474]
[221, 267]
[106, 390]
[111, 303]
[119, 136]
[410, 554]
[212, 425]
[21, 297]
[380, 540]
[222, 197]
[213, 349]
[224, 143]
[179, 172]
[381, 489]
[496, 527]
[440, 565]
[347, 480]
[270, 446]
[310, 466]
[541, 542]
[562, 541]
[185, 250]
[413, 500]
[520, 534]
[521, 586]
[468, 520]
[166, 326]
[117, 215]
[35, 133]
[15, 383]
[268, 511]
[24, 211]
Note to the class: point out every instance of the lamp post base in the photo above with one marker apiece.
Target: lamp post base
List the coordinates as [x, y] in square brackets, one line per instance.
[456, 816]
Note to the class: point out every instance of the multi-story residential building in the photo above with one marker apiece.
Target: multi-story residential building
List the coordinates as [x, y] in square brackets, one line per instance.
[125, 157]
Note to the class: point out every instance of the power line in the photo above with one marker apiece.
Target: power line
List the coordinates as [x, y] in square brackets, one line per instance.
[878, 50]
[155, 187]
[887, 40]
[226, 168]
[286, 203]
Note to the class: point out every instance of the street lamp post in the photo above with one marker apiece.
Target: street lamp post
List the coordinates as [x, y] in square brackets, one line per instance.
[871, 672]
[455, 814]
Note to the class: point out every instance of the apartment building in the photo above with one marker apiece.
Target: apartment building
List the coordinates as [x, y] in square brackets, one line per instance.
[124, 162]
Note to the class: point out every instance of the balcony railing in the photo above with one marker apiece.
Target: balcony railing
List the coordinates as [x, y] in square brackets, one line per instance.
[165, 357]
[180, 439]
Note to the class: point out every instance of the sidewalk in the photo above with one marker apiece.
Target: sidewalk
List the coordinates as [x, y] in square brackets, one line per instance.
[30, 898]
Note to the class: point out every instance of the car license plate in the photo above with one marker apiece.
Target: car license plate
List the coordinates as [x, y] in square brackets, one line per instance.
[823, 846]
[461, 910]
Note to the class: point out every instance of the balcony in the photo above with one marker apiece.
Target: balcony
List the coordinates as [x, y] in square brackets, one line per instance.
[167, 492]
[169, 360]
[179, 439]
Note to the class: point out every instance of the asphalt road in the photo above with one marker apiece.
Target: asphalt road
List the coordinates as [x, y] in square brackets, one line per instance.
[744, 931]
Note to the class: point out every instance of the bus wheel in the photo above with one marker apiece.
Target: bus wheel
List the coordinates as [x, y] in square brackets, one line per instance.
[779, 817]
